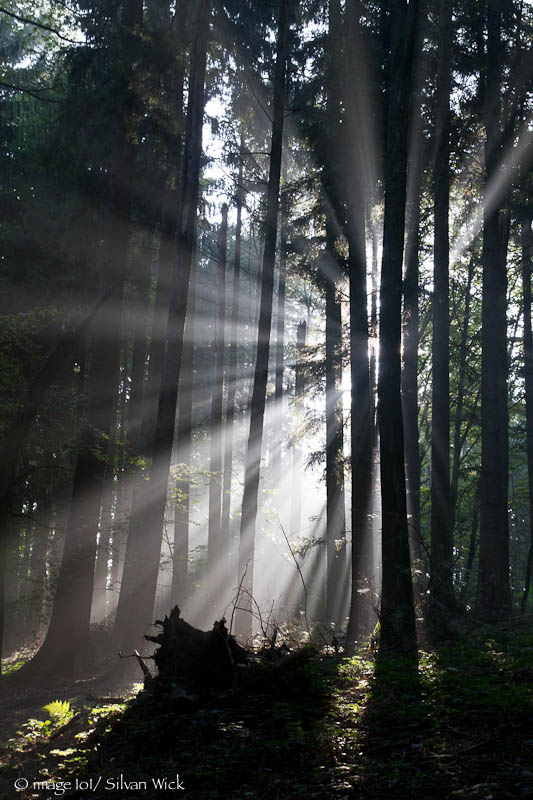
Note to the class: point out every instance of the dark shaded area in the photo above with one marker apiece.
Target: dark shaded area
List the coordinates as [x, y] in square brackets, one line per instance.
[454, 723]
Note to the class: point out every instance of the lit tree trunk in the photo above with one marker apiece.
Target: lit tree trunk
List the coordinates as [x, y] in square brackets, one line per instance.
[243, 616]
[299, 392]
[233, 353]
[397, 613]
[441, 533]
[493, 594]
[280, 340]
[141, 567]
[38, 563]
[217, 550]
[180, 581]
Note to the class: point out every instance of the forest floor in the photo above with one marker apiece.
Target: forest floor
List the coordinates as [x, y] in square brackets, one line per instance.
[455, 723]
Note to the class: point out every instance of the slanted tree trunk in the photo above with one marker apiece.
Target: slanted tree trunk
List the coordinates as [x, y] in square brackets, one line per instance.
[243, 616]
[441, 533]
[142, 559]
[397, 613]
[493, 592]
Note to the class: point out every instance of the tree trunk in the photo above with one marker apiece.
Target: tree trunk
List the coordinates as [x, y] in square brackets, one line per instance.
[411, 320]
[336, 576]
[217, 550]
[233, 356]
[527, 244]
[243, 616]
[397, 613]
[180, 580]
[441, 533]
[493, 593]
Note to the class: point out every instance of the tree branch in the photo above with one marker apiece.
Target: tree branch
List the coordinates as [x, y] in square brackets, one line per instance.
[37, 24]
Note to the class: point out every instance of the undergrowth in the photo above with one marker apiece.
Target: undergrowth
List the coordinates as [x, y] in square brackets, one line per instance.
[454, 723]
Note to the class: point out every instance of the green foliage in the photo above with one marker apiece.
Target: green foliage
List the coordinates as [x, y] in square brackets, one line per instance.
[59, 712]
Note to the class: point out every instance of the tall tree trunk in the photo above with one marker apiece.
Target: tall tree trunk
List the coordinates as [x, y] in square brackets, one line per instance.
[141, 567]
[411, 319]
[233, 355]
[336, 577]
[336, 590]
[493, 593]
[441, 533]
[180, 579]
[527, 244]
[217, 550]
[397, 613]
[243, 616]
[280, 336]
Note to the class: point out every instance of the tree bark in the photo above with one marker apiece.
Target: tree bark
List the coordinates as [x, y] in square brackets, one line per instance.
[397, 613]
[180, 579]
[493, 592]
[441, 533]
[217, 550]
[337, 588]
[527, 244]
[233, 355]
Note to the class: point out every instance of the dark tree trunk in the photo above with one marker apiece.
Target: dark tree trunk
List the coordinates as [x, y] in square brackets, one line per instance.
[336, 588]
[527, 244]
[336, 576]
[243, 616]
[493, 595]
[441, 533]
[397, 613]
[362, 420]
[411, 320]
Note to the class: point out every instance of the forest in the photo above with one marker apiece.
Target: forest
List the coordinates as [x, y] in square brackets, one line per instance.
[266, 398]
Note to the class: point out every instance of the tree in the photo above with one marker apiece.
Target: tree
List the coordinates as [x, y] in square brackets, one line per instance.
[397, 613]
[493, 578]
[441, 531]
